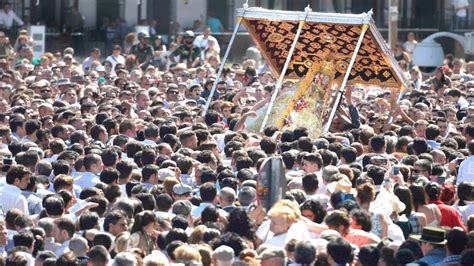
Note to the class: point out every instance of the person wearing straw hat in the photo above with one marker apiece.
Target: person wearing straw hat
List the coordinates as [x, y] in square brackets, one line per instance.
[344, 185]
[456, 242]
[432, 244]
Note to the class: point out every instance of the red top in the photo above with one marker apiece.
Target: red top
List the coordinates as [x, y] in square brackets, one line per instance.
[449, 216]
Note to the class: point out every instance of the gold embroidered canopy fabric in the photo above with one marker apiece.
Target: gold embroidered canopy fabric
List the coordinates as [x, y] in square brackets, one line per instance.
[316, 41]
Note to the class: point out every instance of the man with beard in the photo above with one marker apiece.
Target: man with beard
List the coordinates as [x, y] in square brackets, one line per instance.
[187, 52]
[142, 50]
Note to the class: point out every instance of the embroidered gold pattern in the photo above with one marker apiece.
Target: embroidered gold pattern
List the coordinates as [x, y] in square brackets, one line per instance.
[317, 40]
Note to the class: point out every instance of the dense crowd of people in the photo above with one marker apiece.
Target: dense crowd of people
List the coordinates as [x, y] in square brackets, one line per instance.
[110, 161]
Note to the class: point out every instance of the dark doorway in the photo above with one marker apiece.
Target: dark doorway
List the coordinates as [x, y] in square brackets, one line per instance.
[107, 9]
[427, 14]
[159, 10]
[218, 9]
[44, 13]
[362, 6]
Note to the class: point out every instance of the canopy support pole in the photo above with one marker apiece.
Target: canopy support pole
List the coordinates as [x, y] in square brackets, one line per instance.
[221, 67]
[342, 88]
[283, 71]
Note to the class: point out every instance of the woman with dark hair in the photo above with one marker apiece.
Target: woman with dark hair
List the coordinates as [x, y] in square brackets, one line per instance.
[449, 215]
[39, 236]
[240, 223]
[416, 219]
[365, 196]
[431, 211]
[439, 80]
[207, 90]
[360, 230]
[399, 54]
[143, 233]
[313, 210]
[69, 199]
[210, 214]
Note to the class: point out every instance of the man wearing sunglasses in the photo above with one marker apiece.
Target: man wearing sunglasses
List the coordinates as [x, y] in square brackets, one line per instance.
[187, 52]
[172, 94]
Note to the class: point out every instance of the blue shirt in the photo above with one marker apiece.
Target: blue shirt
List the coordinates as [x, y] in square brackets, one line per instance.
[450, 260]
[433, 144]
[215, 24]
[205, 94]
[436, 255]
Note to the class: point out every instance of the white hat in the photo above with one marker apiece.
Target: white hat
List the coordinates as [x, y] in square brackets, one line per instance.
[164, 173]
[100, 68]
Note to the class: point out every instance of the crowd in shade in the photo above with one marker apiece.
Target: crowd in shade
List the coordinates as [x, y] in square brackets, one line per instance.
[111, 160]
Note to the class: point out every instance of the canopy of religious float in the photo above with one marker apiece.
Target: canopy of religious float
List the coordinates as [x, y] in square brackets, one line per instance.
[324, 53]
[323, 34]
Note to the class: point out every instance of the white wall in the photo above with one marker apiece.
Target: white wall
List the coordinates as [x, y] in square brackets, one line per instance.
[187, 11]
[88, 9]
[240, 4]
[131, 11]
[144, 9]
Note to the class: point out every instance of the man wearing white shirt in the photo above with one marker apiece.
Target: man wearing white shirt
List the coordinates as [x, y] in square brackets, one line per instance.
[18, 178]
[150, 176]
[200, 76]
[7, 17]
[202, 41]
[208, 194]
[99, 135]
[57, 146]
[93, 166]
[310, 186]
[125, 169]
[5, 139]
[163, 205]
[460, 13]
[312, 164]
[48, 225]
[116, 222]
[466, 168]
[24, 238]
[455, 96]
[17, 126]
[116, 57]
[63, 231]
[95, 56]
[151, 134]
